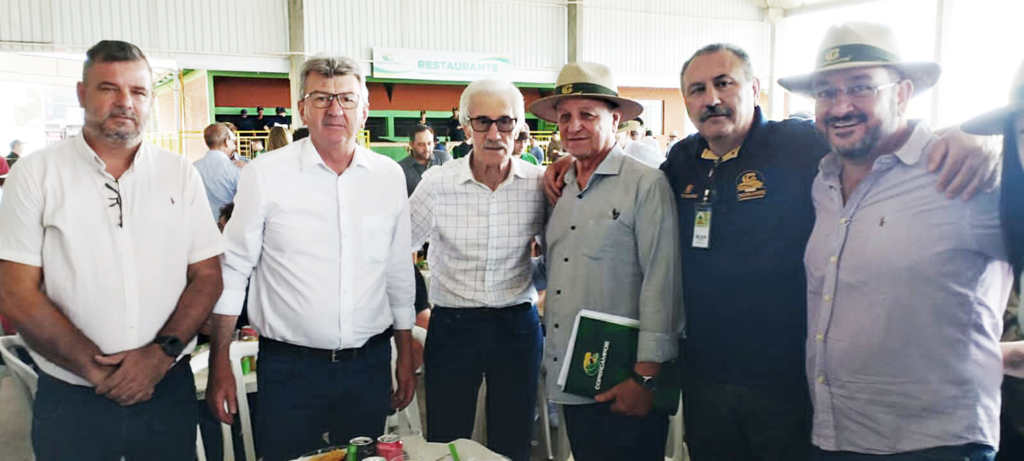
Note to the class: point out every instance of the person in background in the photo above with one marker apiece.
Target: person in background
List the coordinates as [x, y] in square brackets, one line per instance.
[330, 289]
[4, 169]
[127, 285]
[256, 147]
[650, 140]
[519, 151]
[300, 133]
[279, 137]
[554, 150]
[423, 118]
[480, 214]
[628, 133]
[280, 119]
[244, 121]
[220, 175]
[673, 137]
[421, 156]
[535, 150]
[261, 123]
[1008, 121]
[455, 132]
[16, 148]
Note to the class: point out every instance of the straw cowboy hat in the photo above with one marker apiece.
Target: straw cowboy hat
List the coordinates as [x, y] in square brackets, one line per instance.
[586, 80]
[862, 44]
[994, 122]
[628, 126]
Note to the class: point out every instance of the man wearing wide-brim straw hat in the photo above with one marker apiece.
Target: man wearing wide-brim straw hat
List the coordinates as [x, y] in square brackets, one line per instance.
[612, 248]
[905, 289]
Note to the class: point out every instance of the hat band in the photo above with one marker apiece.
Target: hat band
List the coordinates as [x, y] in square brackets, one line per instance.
[584, 88]
[855, 53]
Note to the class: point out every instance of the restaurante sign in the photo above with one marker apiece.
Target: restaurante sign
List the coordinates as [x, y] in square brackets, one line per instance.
[400, 63]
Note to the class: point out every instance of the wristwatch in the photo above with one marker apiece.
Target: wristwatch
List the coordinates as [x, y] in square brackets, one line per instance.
[171, 345]
[647, 382]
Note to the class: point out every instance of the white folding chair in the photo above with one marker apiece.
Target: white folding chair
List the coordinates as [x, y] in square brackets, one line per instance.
[411, 413]
[240, 349]
[24, 375]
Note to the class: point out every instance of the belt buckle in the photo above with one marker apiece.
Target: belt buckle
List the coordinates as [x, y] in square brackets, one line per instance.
[334, 356]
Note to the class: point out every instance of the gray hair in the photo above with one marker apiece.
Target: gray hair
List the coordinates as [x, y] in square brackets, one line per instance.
[15, 143]
[748, 68]
[496, 87]
[331, 66]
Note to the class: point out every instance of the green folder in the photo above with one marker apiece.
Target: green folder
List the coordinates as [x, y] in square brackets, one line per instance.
[602, 353]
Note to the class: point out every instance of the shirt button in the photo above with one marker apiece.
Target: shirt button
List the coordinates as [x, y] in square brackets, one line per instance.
[556, 325]
[832, 259]
[554, 359]
[566, 259]
[558, 292]
[820, 337]
[821, 380]
[572, 228]
[827, 297]
[843, 220]
[579, 196]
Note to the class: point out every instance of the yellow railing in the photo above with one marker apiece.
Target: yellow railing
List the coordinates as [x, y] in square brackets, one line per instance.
[172, 140]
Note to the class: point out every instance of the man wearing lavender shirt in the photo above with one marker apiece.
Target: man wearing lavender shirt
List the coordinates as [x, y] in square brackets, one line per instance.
[906, 289]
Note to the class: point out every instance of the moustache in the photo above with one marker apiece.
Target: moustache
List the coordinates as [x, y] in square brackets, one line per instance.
[714, 111]
[494, 145]
[124, 113]
[851, 117]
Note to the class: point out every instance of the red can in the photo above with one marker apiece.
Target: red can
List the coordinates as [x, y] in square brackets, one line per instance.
[389, 446]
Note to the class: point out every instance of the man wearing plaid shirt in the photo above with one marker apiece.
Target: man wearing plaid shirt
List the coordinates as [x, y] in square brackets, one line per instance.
[480, 213]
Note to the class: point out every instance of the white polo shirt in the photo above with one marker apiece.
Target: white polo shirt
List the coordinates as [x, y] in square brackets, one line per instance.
[115, 273]
[328, 254]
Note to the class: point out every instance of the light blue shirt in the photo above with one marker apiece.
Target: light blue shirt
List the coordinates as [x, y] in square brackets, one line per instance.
[905, 298]
[220, 178]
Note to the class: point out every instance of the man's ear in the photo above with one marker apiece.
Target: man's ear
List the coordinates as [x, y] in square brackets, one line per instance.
[904, 91]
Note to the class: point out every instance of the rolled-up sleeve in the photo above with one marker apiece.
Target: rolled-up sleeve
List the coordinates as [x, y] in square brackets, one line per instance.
[244, 242]
[661, 295]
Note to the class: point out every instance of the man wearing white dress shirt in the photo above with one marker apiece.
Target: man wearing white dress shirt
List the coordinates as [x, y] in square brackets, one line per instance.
[322, 226]
[480, 213]
[121, 233]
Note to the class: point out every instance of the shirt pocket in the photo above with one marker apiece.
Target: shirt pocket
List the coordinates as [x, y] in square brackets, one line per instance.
[378, 232]
[607, 235]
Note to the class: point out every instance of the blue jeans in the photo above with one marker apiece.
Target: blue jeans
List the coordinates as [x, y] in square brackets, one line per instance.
[72, 422]
[595, 433]
[463, 347]
[969, 452]
[302, 397]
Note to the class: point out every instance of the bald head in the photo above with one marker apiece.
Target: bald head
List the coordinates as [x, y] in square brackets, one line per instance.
[218, 136]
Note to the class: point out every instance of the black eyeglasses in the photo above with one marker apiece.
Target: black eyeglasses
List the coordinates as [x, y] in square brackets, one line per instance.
[116, 200]
[505, 124]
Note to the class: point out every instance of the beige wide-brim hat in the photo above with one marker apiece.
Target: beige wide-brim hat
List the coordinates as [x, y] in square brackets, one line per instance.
[863, 44]
[628, 126]
[994, 122]
[585, 80]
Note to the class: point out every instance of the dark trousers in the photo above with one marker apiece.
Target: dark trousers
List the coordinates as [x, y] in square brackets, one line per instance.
[72, 422]
[734, 423]
[969, 452]
[303, 395]
[463, 347]
[595, 433]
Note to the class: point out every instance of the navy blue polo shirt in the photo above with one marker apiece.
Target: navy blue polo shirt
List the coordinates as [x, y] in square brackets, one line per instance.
[746, 302]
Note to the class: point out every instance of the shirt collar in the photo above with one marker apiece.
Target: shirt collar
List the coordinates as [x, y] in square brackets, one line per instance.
[218, 155]
[610, 166]
[309, 157]
[709, 155]
[93, 159]
[466, 173]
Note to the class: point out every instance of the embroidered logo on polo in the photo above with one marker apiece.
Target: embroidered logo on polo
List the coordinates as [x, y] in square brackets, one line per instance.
[688, 192]
[750, 185]
[590, 363]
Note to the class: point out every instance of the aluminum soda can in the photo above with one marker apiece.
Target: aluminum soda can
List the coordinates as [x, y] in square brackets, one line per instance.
[389, 446]
[364, 447]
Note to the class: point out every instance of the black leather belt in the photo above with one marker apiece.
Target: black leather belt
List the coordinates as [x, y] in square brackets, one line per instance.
[273, 346]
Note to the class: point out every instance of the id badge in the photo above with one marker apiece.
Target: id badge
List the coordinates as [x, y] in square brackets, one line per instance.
[702, 226]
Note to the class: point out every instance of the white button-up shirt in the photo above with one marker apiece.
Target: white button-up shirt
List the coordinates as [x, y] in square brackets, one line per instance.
[479, 239]
[328, 254]
[118, 284]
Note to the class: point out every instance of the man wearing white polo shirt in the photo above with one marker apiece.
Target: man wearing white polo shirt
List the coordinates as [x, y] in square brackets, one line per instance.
[108, 263]
[322, 226]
